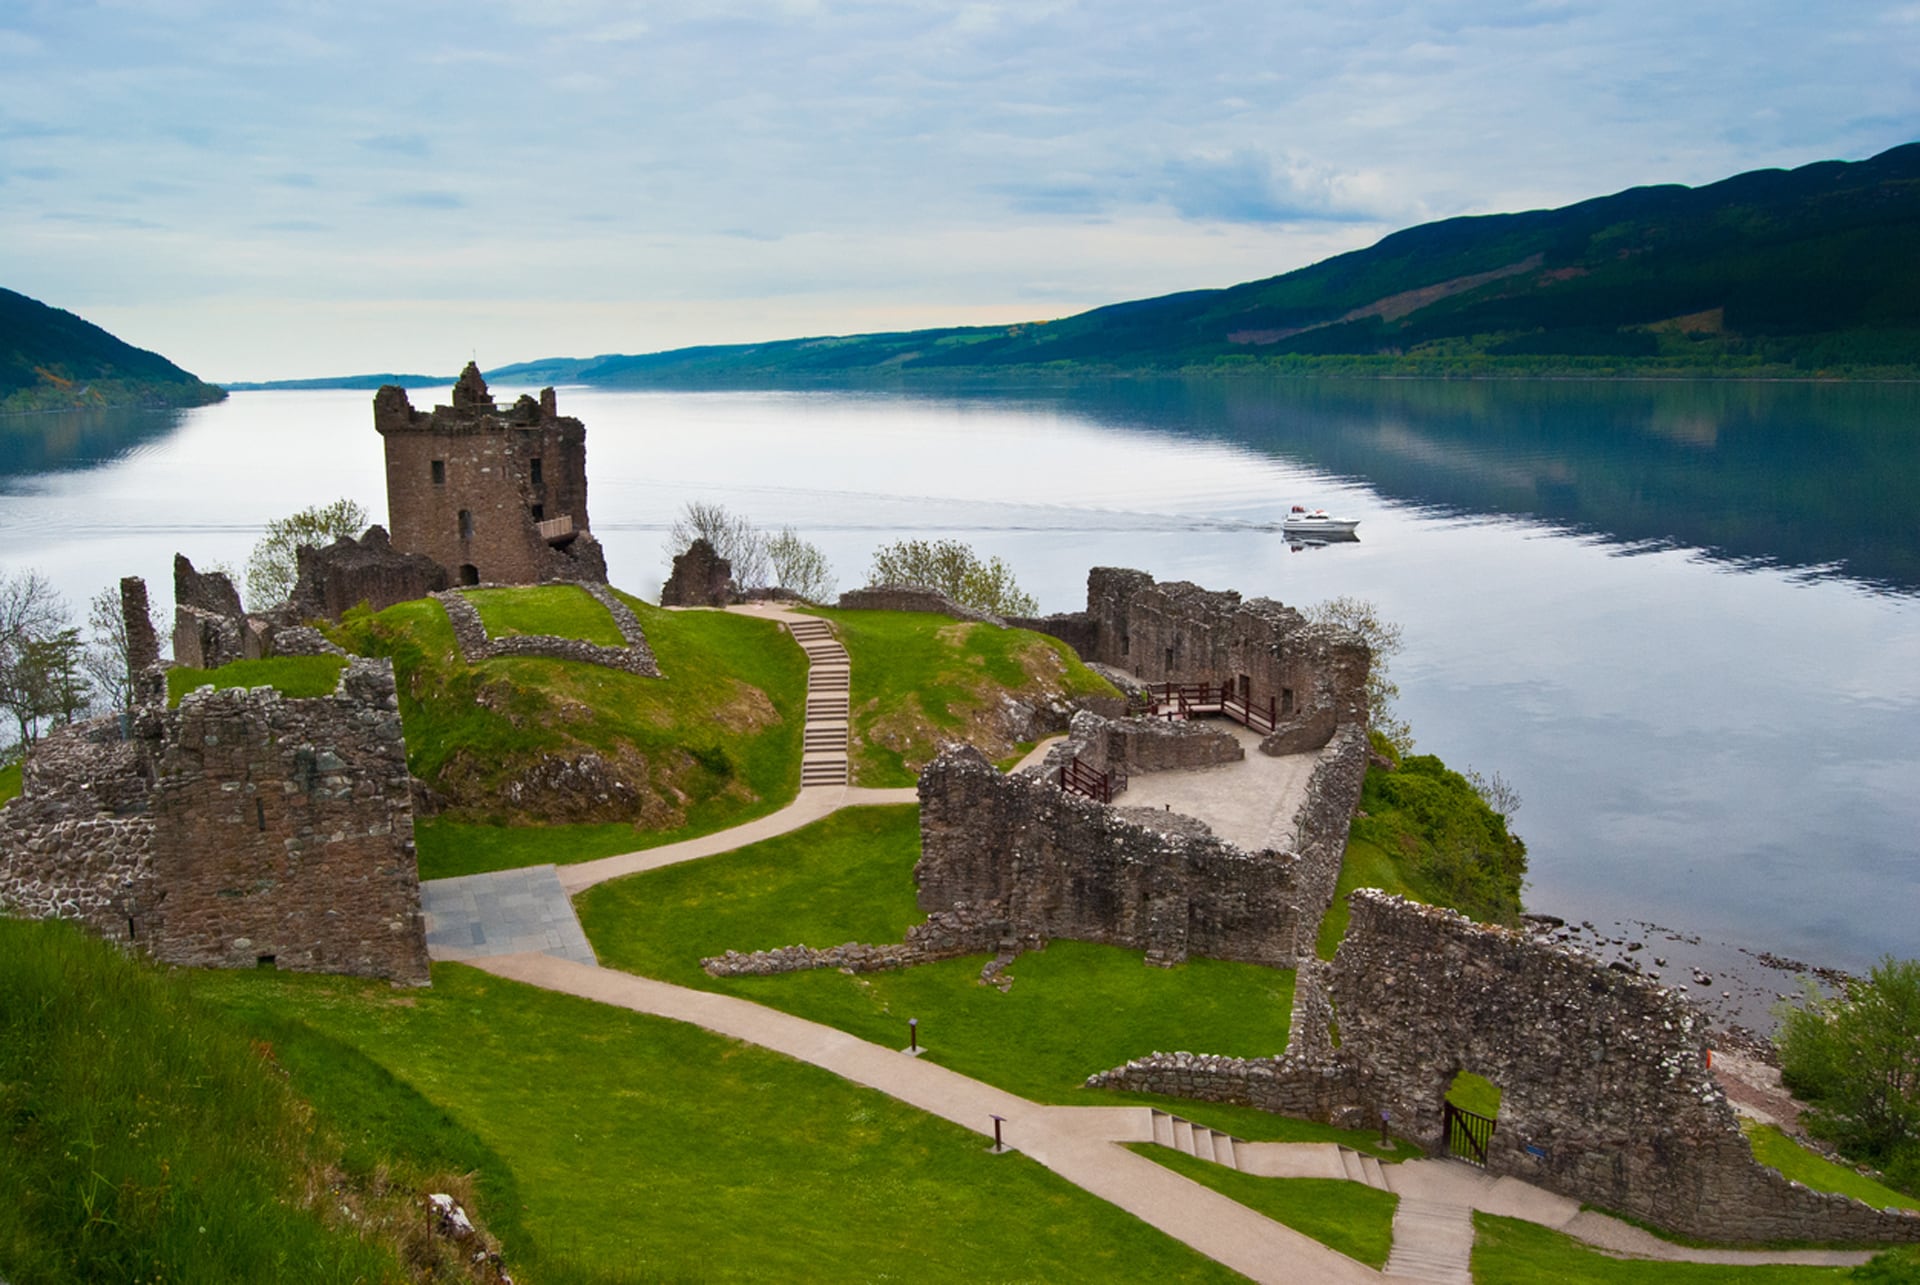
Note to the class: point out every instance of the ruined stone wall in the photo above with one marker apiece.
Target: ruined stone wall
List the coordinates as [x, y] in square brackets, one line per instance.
[1606, 1096]
[240, 826]
[505, 470]
[348, 572]
[77, 842]
[283, 829]
[1060, 866]
[1287, 1085]
[1312, 677]
[477, 645]
[210, 628]
[906, 597]
[701, 578]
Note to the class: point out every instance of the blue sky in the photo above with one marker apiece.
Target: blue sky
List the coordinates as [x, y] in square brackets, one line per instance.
[267, 189]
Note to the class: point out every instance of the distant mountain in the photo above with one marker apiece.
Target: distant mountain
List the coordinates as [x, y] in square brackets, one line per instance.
[1812, 271]
[339, 381]
[53, 360]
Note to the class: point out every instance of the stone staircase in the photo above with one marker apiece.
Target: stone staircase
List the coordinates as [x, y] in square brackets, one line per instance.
[1432, 1241]
[1196, 1140]
[823, 757]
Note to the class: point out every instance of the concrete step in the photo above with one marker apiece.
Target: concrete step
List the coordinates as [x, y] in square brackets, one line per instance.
[1432, 1242]
[1350, 1165]
[1162, 1127]
[1182, 1135]
[1370, 1168]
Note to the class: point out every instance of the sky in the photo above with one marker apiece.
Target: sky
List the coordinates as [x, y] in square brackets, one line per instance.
[266, 190]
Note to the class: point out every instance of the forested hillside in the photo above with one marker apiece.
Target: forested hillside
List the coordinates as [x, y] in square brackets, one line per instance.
[52, 360]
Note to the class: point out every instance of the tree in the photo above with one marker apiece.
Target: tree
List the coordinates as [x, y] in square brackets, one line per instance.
[1856, 1058]
[32, 686]
[732, 536]
[799, 565]
[952, 568]
[1383, 638]
[273, 566]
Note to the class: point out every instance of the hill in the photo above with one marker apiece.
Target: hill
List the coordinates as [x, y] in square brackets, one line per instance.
[52, 360]
[1811, 271]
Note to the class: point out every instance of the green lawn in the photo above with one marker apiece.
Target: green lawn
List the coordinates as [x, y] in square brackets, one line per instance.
[1776, 1150]
[1507, 1251]
[9, 781]
[1475, 1093]
[146, 1140]
[1354, 1219]
[556, 610]
[299, 676]
[712, 744]
[919, 679]
[1074, 1008]
[644, 1149]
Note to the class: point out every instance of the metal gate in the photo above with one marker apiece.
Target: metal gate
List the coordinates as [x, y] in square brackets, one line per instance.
[1467, 1135]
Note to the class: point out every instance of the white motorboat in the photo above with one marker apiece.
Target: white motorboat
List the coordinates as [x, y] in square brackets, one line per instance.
[1303, 521]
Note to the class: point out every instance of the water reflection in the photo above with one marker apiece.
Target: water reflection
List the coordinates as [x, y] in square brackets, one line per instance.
[61, 441]
[1819, 477]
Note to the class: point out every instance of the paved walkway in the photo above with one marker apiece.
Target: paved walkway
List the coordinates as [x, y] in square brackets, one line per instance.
[505, 912]
[1252, 803]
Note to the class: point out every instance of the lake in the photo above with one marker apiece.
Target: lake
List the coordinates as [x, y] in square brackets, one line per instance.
[1682, 619]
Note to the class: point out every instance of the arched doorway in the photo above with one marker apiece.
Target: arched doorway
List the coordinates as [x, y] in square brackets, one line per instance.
[1470, 1115]
[469, 574]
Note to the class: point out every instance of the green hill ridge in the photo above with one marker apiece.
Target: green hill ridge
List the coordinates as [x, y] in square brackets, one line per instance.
[51, 359]
[1813, 271]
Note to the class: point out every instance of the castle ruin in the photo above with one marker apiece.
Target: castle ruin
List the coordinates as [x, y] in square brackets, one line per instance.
[495, 495]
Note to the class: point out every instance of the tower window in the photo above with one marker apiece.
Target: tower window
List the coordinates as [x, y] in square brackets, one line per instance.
[466, 524]
[439, 472]
[535, 468]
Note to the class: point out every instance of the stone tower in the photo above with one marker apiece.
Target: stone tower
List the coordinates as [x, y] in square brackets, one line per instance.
[493, 495]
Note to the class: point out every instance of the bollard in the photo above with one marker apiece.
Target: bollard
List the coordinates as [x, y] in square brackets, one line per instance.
[998, 1146]
[913, 1035]
[1384, 1140]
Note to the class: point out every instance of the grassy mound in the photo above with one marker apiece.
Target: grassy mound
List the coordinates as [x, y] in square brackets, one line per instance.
[1074, 1008]
[556, 610]
[10, 783]
[300, 676]
[1427, 836]
[146, 1139]
[712, 744]
[644, 1149]
[920, 679]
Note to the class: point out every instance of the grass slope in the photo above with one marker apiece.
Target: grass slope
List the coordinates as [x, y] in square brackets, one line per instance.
[919, 679]
[10, 783]
[645, 1149]
[1776, 1150]
[713, 743]
[1074, 1008]
[1424, 834]
[1348, 1217]
[146, 1141]
[299, 676]
[1507, 1251]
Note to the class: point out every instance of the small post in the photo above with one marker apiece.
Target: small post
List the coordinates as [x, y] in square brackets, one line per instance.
[913, 1036]
[1384, 1140]
[998, 1146]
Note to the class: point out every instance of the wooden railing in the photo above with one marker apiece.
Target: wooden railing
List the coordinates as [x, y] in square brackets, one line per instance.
[1080, 778]
[1184, 700]
[554, 530]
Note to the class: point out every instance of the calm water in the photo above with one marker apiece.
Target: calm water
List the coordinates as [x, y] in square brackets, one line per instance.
[1683, 620]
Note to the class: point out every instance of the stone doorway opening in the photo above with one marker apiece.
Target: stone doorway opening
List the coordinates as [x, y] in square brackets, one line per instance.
[469, 574]
[1469, 1116]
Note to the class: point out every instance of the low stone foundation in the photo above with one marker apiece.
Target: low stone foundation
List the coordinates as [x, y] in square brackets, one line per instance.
[476, 645]
[907, 597]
